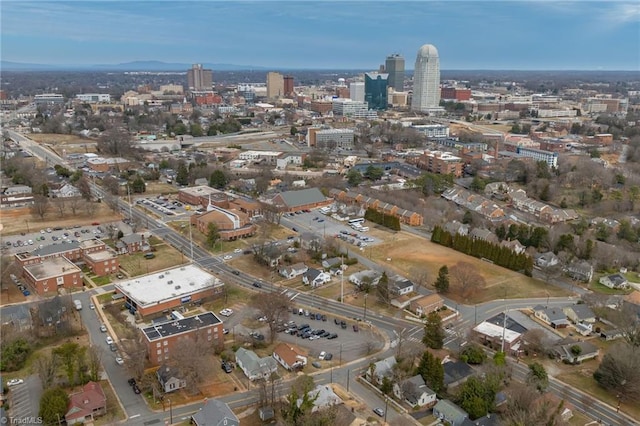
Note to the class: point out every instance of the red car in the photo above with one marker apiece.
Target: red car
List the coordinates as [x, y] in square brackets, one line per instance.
[95, 223]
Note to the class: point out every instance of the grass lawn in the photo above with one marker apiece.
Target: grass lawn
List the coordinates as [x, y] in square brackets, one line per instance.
[599, 288]
[105, 298]
[407, 252]
[114, 412]
[160, 188]
[166, 257]
[106, 279]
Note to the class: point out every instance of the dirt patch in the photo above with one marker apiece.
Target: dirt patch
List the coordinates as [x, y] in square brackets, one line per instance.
[65, 144]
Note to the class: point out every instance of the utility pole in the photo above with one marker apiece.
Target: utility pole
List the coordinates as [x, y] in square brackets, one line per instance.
[129, 196]
[365, 306]
[342, 279]
[191, 240]
[386, 407]
[504, 327]
[348, 371]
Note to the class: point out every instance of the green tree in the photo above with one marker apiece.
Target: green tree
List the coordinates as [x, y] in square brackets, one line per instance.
[213, 234]
[442, 282]
[138, 186]
[474, 354]
[70, 355]
[477, 396]
[432, 371]
[354, 177]
[373, 173]
[196, 130]
[433, 331]
[164, 164]
[14, 354]
[293, 130]
[218, 179]
[382, 289]
[53, 406]
[182, 175]
[538, 377]
[467, 218]
[387, 386]
[293, 411]
[499, 359]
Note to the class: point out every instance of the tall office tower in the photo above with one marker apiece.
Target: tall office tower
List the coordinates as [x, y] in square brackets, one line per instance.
[375, 90]
[288, 86]
[199, 78]
[426, 80]
[275, 85]
[394, 66]
[356, 91]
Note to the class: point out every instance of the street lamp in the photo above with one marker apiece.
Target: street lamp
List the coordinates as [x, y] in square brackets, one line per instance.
[365, 306]
[386, 406]
[170, 412]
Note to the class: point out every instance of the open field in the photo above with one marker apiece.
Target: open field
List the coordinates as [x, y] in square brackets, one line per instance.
[407, 252]
[166, 257]
[68, 143]
[160, 188]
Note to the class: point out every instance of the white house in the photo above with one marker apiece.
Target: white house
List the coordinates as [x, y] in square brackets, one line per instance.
[169, 379]
[254, 367]
[315, 278]
[401, 286]
[289, 357]
[380, 370]
[415, 392]
[614, 281]
[293, 271]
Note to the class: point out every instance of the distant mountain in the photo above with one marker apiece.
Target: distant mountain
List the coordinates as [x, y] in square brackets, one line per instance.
[126, 66]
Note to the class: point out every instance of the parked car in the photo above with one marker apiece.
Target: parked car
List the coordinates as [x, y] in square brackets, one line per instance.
[379, 411]
[103, 328]
[109, 340]
[226, 312]
[131, 381]
[257, 284]
[227, 367]
[119, 360]
[15, 382]
[234, 272]
[136, 389]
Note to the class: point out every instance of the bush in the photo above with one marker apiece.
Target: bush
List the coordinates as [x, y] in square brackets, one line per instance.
[350, 261]
[474, 354]
[14, 355]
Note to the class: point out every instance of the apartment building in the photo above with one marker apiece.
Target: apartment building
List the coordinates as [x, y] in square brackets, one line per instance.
[327, 138]
[49, 275]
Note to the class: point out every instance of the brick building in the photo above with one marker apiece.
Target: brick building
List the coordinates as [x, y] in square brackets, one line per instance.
[161, 292]
[200, 195]
[301, 200]
[49, 275]
[232, 224]
[406, 216]
[163, 339]
[455, 94]
[440, 162]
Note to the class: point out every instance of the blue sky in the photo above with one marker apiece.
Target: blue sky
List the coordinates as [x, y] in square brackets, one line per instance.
[316, 34]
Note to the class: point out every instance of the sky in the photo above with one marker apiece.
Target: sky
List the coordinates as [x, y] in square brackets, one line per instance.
[315, 34]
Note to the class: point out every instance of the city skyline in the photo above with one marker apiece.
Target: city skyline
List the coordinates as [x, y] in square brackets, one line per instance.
[535, 35]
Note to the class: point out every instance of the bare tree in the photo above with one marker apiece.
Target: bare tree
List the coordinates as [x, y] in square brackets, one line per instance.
[466, 278]
[420, 278]
[84, 187]
[191, 360]
[115, 141]
[134, 351]
[275, 306]
[525, 407]
[46, 366]
[113, 202]
[619, 371]
[94, 362]
[273, 212]
[40, 206]
[111, 185]
[536, 340]
[90, 207]
[74, 204]
[60, 206]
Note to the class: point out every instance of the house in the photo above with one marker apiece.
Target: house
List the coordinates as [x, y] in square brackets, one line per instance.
[315, 278]
[580, 313]
[426, 304]
[215, 413]
[612, 334]
[581, 271]
[368, 277]
[497, 336]
[293, 271]
[555, 317]
[584, 329]
[455, 227]
[66, 191]
[401, 286]
[449, 412]
[86, 405]
[254, 367]
[132, 243]
[616, 281]
[483, 234]
[488, 420]
[303, 199]
[324, 397]
[170, 379]
[289, 357]
[547, 259]
[456, 372]
[381, 369]
[575, 352]
[513, 245]
[331, 262]
[415, 392]
[266, 413]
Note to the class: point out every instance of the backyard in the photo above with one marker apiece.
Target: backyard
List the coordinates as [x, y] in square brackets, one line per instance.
[165, 257]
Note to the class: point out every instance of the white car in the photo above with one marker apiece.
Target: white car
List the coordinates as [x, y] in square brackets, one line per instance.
[226, 312]
[237, 250]
[92, 306]
[103, 328]
[322, 355]
[119, 360]
[14, 382]
[228, 257]
[109, 340]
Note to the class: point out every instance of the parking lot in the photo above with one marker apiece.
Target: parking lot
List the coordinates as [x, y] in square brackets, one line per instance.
[24, 400]
[164, 207]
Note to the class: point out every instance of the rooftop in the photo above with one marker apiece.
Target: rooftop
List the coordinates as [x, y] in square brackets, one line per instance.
[199, 191]
[493, 330]
[173, 327]
[161, 286]
[51, 268]
[101, 255]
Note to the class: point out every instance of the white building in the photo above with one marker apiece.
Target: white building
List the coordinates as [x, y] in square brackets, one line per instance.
[343, 138]
[94, 97]
[270, 157]
[433, 130]
[426, 80]
[353, 109]
[356, 91]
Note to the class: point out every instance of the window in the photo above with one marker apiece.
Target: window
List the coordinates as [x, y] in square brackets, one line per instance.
[209, 338]
[209, 331]
[166, 343]
[158, 345]
[106, 262]
[166, 350]
[159, 352]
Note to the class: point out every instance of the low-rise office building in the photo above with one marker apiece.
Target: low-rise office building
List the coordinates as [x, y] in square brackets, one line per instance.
[48, 276]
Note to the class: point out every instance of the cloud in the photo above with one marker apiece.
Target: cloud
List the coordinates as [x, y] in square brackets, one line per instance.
[622, 13]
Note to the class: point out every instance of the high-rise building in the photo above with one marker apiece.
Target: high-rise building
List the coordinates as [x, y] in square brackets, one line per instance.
[199, 78]
[426, 80]
[275, 85]
[288, 86]
[356, 91]
[394, 66]
[375, 90]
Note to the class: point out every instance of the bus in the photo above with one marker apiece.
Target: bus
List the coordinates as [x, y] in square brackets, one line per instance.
[359, 221]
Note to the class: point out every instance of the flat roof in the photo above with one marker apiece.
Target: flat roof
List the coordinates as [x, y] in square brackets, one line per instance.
[198, 191]
[98, 256]
[493, 330]
[89, 243]
[54, 248]
[167, 285]
[173, 327]
[51, 268]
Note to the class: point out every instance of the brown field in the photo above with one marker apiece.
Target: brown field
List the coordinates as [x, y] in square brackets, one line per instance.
[166, 257]
[69, 143]
[407, 252]
[160, 188]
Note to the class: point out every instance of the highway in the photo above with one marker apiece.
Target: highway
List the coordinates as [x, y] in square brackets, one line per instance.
[389, 325]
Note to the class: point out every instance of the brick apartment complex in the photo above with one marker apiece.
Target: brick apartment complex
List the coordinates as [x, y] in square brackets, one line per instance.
[100, 258]
[232, 224]
[455, 94]
[439, 162]
[163, 339]
[99, 164]
[161, 292]
[407, 217]
[47, 276]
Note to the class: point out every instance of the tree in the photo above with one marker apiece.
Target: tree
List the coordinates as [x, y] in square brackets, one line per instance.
[46, 367]
[373, 173]
[293, 131]
[70, 355]
[297, 406]
[182, 174]
[477, 396]
[190, 359]
[535, 341]
[442, 282]
[53, 406]
[354, 177]
[538, 377]
[14, 354]
[111, 185]
[40, 206]
[115, 141]
[275, 307]
[619, 371]
[213, 235]
[218, 179]
[474, 354]
[84, 188]
[432, 371]
[382, 289]
[138, 186]
[525, 407]
[466, 278]
[433, 331]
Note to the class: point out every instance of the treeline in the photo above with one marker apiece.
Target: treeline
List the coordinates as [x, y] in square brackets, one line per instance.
[499, 255]
[383, 219]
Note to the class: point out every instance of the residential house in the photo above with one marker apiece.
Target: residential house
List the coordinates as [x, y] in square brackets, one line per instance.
[414, 392]
[575, 352]
[86, 405]
[456, 372]
[615, 281]
[584, 329]
[580, 313]
[497, 336]
[488, 420]
[66, 191]
[455, 227]
[547, 259]
[401, 286]
[170, 379]
[290, 357]
[369, 277]
[582, 271]
[315, 278]
[324, 396]
[426, 304]
[331, 262]
[253, 366]
[555, 317]
[293, 271]
[513, 245]
[449, 412]
[381, 369]
[612, 334]
[483, 234]
[215, 413]
[132, 243]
